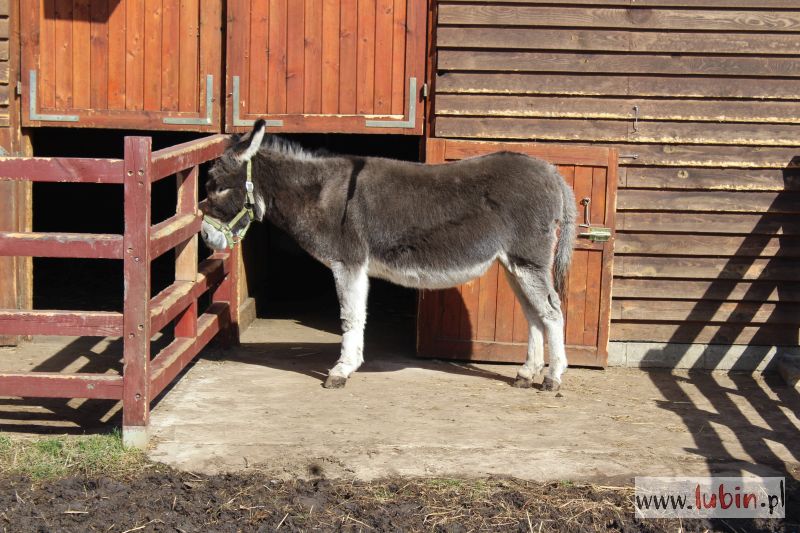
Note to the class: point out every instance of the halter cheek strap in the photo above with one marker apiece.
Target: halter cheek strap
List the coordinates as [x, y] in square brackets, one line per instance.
[226, 228]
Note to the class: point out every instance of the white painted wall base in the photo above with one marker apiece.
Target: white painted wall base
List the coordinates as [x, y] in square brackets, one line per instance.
[697, 356]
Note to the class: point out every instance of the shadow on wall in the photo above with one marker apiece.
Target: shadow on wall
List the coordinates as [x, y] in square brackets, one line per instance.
[97, 12]
[766, 406]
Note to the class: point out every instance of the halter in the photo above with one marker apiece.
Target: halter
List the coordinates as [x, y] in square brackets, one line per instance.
[226, 228]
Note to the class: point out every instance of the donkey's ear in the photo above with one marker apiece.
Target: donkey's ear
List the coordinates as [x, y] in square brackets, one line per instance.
[248, 146]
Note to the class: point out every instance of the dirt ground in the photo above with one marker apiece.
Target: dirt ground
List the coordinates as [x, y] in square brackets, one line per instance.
[184, 502]
[261, 406]
[254, 443]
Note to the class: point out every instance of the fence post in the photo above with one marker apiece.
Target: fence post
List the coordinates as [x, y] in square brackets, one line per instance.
[186, 252]
[228, 292]
[136, 307]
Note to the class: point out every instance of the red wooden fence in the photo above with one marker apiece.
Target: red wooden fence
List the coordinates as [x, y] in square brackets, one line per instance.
[143, 377]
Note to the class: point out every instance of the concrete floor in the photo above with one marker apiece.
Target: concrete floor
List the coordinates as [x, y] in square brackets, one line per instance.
[261, 406]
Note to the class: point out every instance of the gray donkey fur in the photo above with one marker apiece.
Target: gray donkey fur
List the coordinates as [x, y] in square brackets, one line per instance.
[417, 225]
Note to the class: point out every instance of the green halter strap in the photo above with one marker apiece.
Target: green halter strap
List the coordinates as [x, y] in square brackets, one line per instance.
[226, 228]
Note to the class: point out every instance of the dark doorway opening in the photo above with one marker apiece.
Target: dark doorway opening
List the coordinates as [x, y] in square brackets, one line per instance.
[284, 280]
[91, 284]
[288, 283]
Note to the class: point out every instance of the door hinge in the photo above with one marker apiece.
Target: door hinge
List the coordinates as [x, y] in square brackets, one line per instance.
[411, 122]
[198, 121]
[33, 113]
[425, 90]
[237, 120]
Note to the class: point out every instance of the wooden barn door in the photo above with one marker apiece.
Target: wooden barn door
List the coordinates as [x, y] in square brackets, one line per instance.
[481, 320]
[138, 64]
[351, 66]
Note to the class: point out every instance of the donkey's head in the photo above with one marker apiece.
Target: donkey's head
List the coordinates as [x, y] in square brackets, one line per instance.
[231, 203]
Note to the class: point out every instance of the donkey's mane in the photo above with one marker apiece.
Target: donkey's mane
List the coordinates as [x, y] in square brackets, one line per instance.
[291, 149]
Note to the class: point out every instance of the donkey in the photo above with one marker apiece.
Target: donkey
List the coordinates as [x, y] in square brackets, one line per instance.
[416, 225]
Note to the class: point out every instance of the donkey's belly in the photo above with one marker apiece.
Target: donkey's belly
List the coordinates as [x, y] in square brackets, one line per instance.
[421, 278]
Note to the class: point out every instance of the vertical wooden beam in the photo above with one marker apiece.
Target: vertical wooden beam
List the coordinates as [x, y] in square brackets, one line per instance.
[228, 292]
[16, 282]
[186, 252]
[136, 322]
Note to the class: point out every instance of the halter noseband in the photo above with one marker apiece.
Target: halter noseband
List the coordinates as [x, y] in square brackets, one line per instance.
[226, 228]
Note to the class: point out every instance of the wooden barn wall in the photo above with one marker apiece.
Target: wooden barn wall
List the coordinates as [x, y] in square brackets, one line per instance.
[701, 97]
[15, 197]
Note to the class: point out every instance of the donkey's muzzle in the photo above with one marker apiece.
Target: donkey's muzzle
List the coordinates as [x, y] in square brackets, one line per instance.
[214, 238]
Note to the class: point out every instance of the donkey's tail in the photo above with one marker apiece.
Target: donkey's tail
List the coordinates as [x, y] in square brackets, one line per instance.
[566, 239]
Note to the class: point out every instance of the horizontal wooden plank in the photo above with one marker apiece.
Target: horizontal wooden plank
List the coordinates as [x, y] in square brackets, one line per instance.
[706, 268]
[513, 61]
[55, 385]
[557, 155]
[716, 223]
[82, 245]
[591, 130]
[634, 18]
[742, 202]
[707, 245]
[581, 83]
[184, 156]
[696, 155]
[707, 312]
[179, 353]
[170, 233]
[622, 109]
[67, 323]
[711, 179]
[755, 4]
[174, 299]
[729, 290]
[131, 119]
[61, 169]
[693, 332]
[598, 40]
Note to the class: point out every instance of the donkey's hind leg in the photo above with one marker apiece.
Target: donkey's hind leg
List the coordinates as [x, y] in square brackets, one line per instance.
[535, 361]
[537, 286]
[352, 286]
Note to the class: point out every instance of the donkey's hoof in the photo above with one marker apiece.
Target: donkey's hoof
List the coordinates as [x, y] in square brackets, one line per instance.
[550, 384]
[523, 383]
[335, 382]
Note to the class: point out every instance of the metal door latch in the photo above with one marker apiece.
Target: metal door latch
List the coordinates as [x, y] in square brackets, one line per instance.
[596, 233]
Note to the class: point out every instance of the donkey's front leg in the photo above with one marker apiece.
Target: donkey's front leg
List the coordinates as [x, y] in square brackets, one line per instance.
[352, 286]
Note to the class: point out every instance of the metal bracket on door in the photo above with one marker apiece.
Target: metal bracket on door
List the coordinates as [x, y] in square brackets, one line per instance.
[412, 112]
[34, 115]
[209, 118]
[237, 121]
[596, 234]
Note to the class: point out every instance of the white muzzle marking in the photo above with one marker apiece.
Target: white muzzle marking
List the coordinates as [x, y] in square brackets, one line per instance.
[213, 237]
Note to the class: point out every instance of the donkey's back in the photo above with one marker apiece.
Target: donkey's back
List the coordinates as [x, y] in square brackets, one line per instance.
[435, 226]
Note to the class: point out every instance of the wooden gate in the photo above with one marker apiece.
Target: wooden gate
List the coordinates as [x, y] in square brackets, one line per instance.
[127, 64]
[350, 66]
[481, 320]
[142, 377]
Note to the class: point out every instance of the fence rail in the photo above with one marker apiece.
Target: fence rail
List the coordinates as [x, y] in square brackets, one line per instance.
[143, 377]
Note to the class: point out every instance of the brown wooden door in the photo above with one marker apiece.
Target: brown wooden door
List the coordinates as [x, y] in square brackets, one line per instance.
[481, 320]
[140, 64]
[351, 66]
